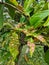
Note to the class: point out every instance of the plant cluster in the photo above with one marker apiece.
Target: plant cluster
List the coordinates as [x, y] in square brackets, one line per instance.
[24, 32]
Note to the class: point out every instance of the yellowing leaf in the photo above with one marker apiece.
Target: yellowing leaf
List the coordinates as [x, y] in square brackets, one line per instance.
[14, 45]
[10, 62]
[14, 2]
[31, 47]
[38, 37]
[14, 51]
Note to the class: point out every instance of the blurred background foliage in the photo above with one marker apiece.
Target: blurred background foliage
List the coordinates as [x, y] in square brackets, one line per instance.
[24, 32]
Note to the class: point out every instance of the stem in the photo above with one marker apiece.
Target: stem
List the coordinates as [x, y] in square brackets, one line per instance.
[16, 8]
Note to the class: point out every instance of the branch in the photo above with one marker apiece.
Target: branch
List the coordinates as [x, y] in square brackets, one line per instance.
[16, 8]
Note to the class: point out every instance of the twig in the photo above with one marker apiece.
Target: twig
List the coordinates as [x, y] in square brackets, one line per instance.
[16, 8]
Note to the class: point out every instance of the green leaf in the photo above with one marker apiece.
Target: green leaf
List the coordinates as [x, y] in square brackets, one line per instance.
[22, 19]
[28, 6]
[47, 22]
[47, 57]
[37, 18]
[36, 59]
[11, 9]
[27, 3]
[1, 16]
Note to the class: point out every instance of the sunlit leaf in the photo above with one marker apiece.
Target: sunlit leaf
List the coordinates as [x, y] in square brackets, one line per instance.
[11, 62]
[14, 2]
[28, 6]
[14, 45]
[47, 22]
[37, 18]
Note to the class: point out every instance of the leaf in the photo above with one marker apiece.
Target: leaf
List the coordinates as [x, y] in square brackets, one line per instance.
[10, 62]
[41, 38]
[14, 2]
[28, 6]
[38, 37]
[11, 9]
[1, 16]
[47, 22]
[31, 48]
[47, 56]
[36, 59]
[13, 50]
[37, 18]
[27, 3]
[18, 6]
[22, 19]
[14, 45]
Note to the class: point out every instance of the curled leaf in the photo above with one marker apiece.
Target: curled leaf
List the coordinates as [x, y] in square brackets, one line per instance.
[31, 47]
